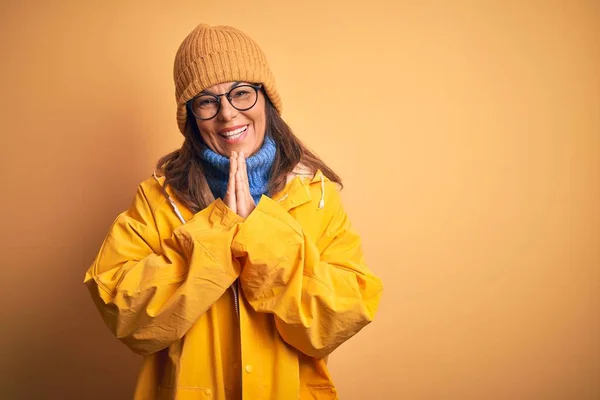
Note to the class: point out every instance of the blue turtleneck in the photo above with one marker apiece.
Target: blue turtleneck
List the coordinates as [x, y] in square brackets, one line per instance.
[216, 168]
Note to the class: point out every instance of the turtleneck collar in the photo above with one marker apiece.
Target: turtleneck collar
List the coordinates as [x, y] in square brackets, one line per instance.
[216, 168]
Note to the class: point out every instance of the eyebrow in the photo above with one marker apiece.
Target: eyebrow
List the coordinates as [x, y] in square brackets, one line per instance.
[234, 84]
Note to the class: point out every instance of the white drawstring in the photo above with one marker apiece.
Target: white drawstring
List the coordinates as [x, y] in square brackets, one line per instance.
[175, 208]
[322, 202]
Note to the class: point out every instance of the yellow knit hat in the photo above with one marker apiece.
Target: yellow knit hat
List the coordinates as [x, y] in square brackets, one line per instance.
[210, 55]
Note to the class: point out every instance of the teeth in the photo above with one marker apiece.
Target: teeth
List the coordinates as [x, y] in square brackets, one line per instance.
[237, 132]
[234, 137]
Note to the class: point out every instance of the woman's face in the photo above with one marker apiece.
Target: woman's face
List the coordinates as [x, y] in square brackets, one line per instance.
[231, 129]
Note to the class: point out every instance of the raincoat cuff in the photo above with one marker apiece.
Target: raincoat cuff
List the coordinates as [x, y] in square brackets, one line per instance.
[268, 219]
[212, 229]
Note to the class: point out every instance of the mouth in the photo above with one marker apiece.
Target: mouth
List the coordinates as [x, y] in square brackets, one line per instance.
[233, 134]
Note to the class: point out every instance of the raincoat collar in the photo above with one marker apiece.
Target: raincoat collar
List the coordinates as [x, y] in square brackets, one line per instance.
[295, 193]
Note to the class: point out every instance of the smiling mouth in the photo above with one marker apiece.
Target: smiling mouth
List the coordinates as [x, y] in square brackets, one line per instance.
[234, 134]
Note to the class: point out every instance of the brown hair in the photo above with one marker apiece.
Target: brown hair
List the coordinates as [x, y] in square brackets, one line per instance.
[183, 170]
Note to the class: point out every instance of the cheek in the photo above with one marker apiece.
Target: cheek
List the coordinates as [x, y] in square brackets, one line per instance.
[260, 118]
[260, 126]
[205, 130]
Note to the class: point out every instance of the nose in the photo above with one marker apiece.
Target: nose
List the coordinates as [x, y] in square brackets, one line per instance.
[227, 111]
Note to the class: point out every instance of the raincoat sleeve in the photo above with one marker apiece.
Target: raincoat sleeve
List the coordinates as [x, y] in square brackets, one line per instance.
[151, 290]
[320, 291]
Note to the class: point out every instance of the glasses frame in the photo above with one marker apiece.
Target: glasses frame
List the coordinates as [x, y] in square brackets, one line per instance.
[217, 97]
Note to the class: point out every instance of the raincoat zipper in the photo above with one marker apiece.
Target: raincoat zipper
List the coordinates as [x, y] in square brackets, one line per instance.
[236, 303]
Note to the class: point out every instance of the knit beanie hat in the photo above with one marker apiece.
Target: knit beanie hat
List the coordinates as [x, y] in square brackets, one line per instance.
[210, 55]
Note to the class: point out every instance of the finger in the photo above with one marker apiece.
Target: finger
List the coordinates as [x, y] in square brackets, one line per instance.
[246, 181]
[239, 182]
[232, 171]
[230, 197]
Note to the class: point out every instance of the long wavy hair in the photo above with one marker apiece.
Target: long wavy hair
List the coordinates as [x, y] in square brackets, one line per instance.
[184, 173]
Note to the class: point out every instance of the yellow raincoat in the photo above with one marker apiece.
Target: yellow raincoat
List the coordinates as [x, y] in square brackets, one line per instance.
[224, 308]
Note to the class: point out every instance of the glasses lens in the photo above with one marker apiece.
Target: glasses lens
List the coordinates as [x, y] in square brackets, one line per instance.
[243, 97]
[205, 107]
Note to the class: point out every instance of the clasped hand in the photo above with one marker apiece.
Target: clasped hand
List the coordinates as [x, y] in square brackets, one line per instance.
[238, 196]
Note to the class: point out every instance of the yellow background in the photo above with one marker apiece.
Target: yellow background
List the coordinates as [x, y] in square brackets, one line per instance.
[467, 134]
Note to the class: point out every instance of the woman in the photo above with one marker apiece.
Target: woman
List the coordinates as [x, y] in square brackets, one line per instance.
[235, 272]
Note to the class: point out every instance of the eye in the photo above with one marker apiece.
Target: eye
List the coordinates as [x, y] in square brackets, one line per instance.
[206, 101]
[240, 93]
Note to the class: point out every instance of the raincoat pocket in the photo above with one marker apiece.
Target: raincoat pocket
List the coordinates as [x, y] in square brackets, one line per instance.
[320, 392]
[185, 393]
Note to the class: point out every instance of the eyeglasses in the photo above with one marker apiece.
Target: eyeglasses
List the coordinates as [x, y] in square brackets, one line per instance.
[207, 106]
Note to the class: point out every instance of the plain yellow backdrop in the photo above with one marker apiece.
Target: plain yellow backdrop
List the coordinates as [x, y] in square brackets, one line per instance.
[467, 134]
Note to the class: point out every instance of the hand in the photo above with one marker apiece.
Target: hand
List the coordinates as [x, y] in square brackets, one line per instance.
[238, 197]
